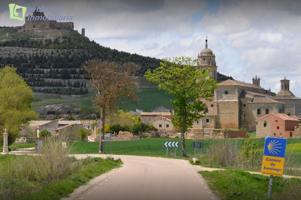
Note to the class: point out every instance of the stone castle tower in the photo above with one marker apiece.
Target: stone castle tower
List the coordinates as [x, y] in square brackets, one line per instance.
[38, 21]
[206, 60]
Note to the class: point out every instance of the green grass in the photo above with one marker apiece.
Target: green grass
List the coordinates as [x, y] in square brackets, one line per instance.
[21, 145]
[154, 146]
[4, 160]
[239, 185]
[57, 189]
[142, 147]
[61, 188]
[148, 99]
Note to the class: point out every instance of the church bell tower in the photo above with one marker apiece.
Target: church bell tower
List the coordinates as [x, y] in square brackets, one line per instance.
[206, 60]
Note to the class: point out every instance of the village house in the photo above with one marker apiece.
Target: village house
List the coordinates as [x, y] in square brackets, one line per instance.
[279, 125]
[160, 120]
[56, 126]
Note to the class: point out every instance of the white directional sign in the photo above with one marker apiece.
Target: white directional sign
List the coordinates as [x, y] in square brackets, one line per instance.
[169, 144]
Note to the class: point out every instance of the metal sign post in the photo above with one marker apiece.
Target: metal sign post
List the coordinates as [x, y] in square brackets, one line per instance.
[196, 146]
[273, 159]
[270, 187]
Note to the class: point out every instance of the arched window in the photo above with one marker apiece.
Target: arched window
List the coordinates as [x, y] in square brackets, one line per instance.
[258, 111]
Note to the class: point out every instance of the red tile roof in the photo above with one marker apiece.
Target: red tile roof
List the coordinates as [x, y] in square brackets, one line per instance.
[282, 116]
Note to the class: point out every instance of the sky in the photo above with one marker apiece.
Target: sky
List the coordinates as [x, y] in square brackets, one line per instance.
[248, 37]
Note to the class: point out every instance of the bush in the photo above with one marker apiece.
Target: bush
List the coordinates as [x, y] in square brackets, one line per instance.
[75, 133]
[115, 128]
[125, 119]
[25, 173]
[83, 134]
[45, 133]
[139, 128]
[250, 155]
[223, 153]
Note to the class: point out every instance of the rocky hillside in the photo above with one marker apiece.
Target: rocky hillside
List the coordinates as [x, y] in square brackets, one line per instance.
[54, 65]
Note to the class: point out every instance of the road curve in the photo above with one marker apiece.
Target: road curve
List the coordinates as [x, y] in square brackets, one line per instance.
[146, 178]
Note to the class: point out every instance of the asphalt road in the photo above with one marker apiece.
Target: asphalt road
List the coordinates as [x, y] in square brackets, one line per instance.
[146, 178]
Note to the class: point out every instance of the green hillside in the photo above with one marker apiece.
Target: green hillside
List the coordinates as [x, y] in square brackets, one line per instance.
[148, 100]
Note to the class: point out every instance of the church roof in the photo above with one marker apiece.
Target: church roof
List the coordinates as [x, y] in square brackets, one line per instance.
[264, 100]
[206, 51]
[282, 116]
[286, 93]
[230, 82]
[261, 98]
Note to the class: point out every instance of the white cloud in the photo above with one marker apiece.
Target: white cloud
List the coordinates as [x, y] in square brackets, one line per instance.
[248, 37]
[271, 37]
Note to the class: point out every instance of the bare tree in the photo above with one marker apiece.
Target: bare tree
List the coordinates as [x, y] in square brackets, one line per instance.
[111, 82]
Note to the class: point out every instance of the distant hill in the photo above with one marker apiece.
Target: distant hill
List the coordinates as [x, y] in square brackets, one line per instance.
[54, 65]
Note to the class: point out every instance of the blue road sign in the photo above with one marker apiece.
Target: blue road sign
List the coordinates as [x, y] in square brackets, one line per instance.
[274, 146]
[196, 144]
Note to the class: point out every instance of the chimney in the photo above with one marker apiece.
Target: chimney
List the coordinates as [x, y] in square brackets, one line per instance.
[285, 84]
[256, 81]
[83, 32]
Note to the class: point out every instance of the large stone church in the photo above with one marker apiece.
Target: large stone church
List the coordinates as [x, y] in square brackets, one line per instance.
[237, 104]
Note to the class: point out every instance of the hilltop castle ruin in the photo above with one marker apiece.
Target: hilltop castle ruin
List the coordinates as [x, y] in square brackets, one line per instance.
[38, 20]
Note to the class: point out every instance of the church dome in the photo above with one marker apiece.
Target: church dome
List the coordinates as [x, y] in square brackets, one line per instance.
[206, 57]
[206, 60]
[206, 51]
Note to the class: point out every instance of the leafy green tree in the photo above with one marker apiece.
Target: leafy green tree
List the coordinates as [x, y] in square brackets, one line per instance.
[188, 85]
[15, 107]
[115, 128]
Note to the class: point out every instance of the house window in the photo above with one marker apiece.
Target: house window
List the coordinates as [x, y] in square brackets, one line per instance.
[212, 105]
[207, 120]
[267, 111]
[289, 114]
[265, 124]
[226, 92]
[167, 125]
[276, 120]
[160, 125]
[245, 105]
[258, 111]
[291, 134]
[274, 134]
[278, 127]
